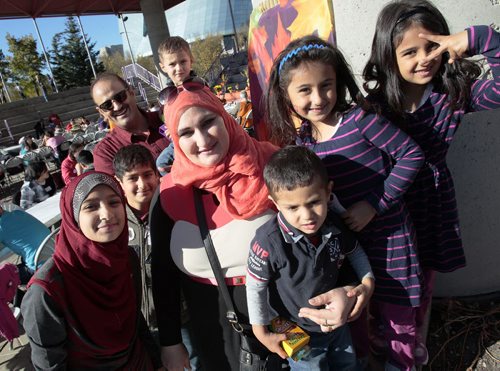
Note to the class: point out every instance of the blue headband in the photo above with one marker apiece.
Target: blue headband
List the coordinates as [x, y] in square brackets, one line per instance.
[296, 51]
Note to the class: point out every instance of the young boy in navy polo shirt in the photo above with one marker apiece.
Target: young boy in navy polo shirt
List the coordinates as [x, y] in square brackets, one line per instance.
[297, 255]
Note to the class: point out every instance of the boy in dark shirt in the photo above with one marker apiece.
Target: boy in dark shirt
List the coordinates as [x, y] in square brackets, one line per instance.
[297, 255]
[135, 169]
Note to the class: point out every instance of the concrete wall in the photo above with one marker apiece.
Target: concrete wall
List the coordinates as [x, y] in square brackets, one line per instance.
[474, 156]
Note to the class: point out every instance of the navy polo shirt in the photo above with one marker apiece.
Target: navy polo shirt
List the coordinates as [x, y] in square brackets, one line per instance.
[294, 268]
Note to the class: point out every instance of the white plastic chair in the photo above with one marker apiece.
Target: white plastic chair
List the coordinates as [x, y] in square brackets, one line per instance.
[99, 135]
[46, 248]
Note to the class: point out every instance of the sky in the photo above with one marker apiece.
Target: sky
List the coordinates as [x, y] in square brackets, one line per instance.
[102, 29]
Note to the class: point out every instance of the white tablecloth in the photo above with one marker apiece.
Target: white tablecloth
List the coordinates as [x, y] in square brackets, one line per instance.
[48, 211]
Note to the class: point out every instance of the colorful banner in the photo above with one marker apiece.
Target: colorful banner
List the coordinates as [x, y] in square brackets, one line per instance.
[273, 24]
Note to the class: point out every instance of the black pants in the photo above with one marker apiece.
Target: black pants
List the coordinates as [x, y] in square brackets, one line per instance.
[216, 342]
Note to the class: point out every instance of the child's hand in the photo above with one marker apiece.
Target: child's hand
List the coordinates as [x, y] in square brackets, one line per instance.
[270, 340]
[358, 215]
[363, 293]
[456, 45]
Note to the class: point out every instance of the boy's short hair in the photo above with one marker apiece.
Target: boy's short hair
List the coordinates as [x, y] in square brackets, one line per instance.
[85, 158]
[127, 158]
[34, 170]
[293, 167]
[174, 44]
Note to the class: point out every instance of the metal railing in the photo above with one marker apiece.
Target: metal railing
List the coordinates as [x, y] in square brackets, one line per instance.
[136, 70]
[143, 92]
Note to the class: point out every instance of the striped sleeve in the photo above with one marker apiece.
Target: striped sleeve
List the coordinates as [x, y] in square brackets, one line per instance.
[485, 93]
[407, 157]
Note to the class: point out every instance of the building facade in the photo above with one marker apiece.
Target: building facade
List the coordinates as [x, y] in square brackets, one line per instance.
[191, 19]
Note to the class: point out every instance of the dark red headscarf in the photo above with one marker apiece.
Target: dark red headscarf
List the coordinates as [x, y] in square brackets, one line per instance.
[238, 180]
[97, 277]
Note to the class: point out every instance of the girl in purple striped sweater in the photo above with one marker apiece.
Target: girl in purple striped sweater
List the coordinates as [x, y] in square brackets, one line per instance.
[415, 76]
[371, 163]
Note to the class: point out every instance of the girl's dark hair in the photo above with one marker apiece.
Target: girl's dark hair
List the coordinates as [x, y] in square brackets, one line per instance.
[73, 148]
[381, 74]
[34, 170]
[279, 111]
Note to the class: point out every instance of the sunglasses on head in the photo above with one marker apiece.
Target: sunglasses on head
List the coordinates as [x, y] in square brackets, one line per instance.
[119, 98]
[170, 93]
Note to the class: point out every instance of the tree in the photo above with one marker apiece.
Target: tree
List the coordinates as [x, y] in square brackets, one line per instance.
[69, 58]
[206, 53]
[25, 63]
[114, 62]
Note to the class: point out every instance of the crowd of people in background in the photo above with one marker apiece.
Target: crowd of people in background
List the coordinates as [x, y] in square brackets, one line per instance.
[133, 283]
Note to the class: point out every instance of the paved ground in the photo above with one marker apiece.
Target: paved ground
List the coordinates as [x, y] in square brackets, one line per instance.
[16, 356]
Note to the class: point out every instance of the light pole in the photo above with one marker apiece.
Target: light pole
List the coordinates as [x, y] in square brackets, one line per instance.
[128, 41]
[45, 54]
[234, 26]
[86, 46]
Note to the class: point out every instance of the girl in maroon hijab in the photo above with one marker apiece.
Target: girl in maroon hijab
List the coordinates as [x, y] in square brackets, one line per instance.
[81, 308]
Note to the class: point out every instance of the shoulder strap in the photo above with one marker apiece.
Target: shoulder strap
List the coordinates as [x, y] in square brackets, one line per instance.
[214, 260]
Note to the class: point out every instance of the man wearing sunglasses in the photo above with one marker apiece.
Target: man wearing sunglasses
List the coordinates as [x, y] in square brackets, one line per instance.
[115, 101]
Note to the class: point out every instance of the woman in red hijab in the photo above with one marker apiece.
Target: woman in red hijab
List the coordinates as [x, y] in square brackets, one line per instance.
[214, 154]
[81, 310]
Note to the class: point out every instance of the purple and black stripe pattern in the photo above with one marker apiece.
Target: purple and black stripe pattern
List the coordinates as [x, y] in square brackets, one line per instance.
[370, 159]
[431, 199]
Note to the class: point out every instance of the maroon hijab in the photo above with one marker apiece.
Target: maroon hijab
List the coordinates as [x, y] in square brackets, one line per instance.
[98, 288]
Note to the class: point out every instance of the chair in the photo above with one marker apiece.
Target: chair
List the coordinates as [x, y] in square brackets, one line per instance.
[99, 135]
[92, 129]
[48, 156]
[13, 166]
[90, 146]
[46, 248]
[78, 139]
[45, 152]
[31, 157]
[3, 182]
[89, 137]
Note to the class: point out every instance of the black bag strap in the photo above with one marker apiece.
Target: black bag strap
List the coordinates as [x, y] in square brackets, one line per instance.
[214, 261]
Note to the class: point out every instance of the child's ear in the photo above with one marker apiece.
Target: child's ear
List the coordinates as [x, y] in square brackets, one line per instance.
[161, 66]
[274, 202]
[330, 186]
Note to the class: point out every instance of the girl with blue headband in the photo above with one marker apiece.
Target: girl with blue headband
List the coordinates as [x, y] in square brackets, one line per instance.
[371, 162]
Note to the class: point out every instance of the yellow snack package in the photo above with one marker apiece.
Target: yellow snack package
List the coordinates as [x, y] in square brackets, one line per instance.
[296, 344]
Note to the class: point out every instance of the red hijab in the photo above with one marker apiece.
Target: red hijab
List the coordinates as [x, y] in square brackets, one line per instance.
[97, 277]
[237, 181]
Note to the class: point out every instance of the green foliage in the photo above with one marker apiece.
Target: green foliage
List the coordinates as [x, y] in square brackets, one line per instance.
[114, 63]
[4, 65]
[25, 63]
[242, 35]
[69, 58]
[206, 52]
[148, 63]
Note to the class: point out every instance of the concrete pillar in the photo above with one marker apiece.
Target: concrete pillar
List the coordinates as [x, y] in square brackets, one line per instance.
[156, 23]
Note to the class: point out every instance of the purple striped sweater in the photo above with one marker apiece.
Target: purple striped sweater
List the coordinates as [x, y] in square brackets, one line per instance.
[431, 199]
[370, 159]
